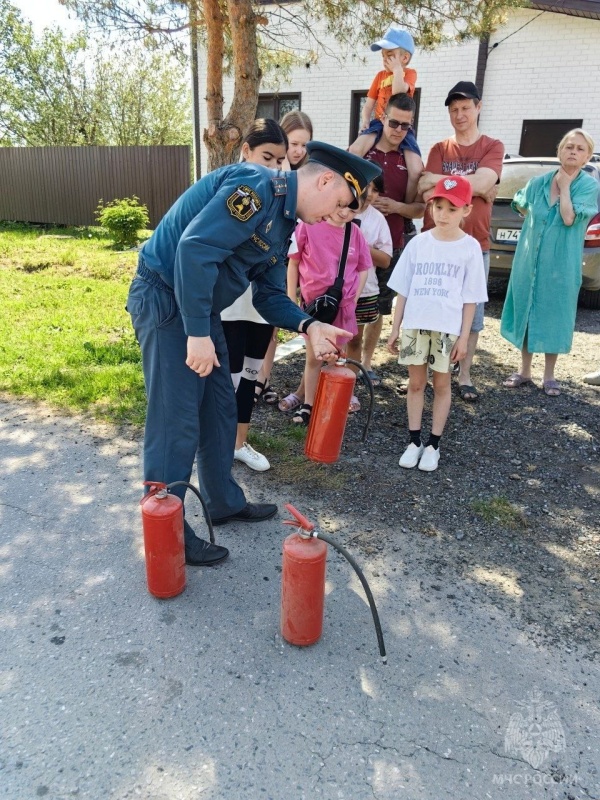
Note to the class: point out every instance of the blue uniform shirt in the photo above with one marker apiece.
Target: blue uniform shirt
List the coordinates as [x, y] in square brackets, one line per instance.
[231, 227]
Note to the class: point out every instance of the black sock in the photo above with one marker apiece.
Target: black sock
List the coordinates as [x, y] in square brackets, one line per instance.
[434, 441]
[415, 437]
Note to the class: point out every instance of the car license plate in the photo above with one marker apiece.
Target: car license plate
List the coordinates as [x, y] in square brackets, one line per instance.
[508, 234]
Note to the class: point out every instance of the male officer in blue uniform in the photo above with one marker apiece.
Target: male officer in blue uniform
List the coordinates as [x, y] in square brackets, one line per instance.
[231, 227]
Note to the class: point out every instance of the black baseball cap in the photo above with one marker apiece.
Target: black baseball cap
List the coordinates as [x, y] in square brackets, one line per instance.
[463, 89]
[357, 171]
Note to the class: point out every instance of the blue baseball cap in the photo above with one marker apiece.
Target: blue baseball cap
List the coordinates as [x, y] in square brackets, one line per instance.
[393, 38]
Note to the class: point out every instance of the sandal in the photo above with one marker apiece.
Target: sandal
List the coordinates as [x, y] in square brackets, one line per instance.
[270, 396]
[302, 415]
[515, 380]
[259, 390]
[551, 388]
[468, 393]
[289, 403]
[354, 404]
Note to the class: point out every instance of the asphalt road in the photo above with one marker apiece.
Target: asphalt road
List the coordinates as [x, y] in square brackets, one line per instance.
[108, 693]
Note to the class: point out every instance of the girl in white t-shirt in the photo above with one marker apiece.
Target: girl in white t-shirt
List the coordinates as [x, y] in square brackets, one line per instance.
[376, 231]
[247, 334]
[439, 278]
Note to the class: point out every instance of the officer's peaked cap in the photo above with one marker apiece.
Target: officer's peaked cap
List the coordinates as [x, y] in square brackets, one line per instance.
[356, 170]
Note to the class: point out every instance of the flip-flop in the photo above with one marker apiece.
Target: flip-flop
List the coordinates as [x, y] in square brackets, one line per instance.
[515, 380]
[289, 403]
[551, 388]
[468, 393]
[373, 377]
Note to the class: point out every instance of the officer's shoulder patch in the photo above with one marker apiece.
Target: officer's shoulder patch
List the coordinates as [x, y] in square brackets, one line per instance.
[243, 203]
[279, 186]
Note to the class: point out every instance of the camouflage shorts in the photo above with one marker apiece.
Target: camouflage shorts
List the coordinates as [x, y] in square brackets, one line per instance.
[427, 347]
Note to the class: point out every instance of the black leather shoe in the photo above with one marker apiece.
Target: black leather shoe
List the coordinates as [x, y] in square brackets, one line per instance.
[251, 512]
[204, 554]
[199, 553]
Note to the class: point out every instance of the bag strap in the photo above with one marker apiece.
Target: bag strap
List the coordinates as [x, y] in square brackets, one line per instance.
[344, 256]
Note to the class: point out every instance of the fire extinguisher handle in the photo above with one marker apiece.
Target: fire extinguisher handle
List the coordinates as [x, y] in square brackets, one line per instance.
[155, 487]
[300, 519]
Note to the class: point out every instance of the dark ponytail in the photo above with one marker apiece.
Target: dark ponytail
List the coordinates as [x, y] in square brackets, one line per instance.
[265, 131]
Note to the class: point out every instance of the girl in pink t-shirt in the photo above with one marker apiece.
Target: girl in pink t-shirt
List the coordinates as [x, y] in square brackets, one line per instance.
[314, 259]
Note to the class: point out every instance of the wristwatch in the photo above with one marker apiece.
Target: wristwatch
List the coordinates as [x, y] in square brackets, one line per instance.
[305, 323]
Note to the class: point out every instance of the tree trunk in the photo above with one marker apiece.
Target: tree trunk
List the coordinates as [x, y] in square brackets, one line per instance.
[223, 135]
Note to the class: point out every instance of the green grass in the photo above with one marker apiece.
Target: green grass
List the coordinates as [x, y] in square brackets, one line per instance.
[285, 449]
[65, 337]
[501, 511]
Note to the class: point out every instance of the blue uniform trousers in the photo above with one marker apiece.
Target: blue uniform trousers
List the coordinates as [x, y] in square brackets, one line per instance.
[187, 416]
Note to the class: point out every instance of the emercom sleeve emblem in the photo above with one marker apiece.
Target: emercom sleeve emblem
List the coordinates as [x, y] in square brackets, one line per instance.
[243, 203]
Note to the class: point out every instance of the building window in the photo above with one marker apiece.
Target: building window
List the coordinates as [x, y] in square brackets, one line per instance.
[357, 102]
[276, 105]
[540, 137]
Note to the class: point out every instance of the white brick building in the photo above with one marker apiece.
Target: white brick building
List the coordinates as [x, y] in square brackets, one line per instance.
[542, 66]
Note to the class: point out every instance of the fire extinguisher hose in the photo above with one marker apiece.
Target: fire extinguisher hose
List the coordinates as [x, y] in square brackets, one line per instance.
[365, 585]
[369, 384]
[204, 506]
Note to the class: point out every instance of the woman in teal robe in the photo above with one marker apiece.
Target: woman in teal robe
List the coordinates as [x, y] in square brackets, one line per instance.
[541, 301]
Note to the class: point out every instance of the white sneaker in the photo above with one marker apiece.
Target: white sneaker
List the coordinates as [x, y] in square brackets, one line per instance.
[251, 458]
[593, 378]
[429, 459]
[410, 457]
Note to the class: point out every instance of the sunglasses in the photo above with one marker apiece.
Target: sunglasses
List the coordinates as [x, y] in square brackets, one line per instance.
[393, 123]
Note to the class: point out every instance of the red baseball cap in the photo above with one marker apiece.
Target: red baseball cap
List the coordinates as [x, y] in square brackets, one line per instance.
[454, 188]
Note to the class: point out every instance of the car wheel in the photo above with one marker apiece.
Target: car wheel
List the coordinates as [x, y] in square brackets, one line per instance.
[589, 299]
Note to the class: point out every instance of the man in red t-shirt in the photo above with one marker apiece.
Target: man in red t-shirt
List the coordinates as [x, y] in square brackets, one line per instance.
[391, 202]
[478, 158]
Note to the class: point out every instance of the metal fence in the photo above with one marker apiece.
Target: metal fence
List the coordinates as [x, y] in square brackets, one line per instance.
[63, 185]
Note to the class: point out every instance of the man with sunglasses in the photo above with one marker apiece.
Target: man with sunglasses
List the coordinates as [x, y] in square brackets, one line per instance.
[392, 202]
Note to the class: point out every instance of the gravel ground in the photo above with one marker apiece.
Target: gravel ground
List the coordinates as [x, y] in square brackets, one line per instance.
[511, 515]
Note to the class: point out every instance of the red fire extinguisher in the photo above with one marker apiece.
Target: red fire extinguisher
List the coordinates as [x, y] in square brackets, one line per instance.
[303, 583]
[162, 520]
[330, 411]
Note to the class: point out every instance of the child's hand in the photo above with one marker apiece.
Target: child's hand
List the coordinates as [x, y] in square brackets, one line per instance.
[392, 343]
[459, 351]
[393, 63]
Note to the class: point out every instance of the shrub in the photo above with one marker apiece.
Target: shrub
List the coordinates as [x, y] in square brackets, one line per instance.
[123, 219]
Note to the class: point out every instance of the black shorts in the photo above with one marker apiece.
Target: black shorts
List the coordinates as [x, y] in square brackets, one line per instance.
[386, 296]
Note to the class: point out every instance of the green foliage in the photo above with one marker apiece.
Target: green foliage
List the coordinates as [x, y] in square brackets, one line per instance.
[69, 90]
[353, 24]
[123, 219]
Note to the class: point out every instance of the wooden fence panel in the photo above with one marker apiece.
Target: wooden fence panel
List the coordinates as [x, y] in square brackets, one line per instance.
[63, 185]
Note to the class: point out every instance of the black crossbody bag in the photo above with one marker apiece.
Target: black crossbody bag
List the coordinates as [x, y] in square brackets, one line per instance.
[325, 307]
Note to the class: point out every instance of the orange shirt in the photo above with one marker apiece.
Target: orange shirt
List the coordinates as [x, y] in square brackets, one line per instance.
[381, 88]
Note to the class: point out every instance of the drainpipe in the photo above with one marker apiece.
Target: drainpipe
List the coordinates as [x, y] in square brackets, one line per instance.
[482, 57]
[195, 88]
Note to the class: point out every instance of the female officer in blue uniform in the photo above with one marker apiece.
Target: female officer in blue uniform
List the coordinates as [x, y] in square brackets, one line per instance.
[231, 227]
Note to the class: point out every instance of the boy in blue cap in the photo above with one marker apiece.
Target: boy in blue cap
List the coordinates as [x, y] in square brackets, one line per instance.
[230, 228]
[397, 48]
